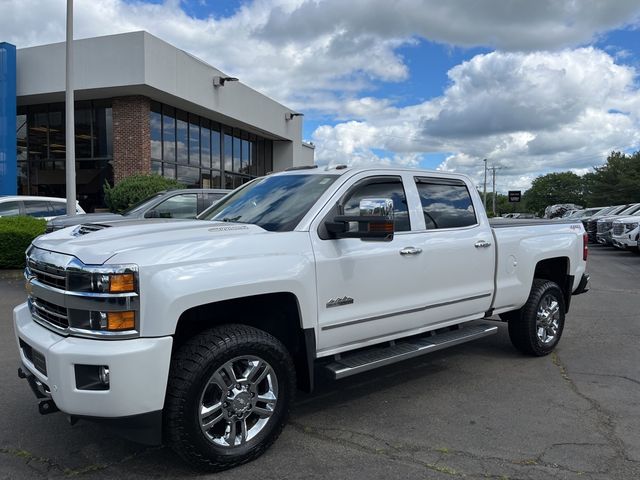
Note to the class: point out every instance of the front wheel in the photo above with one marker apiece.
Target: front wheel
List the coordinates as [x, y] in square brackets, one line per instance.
[228, 396]
[536, 328]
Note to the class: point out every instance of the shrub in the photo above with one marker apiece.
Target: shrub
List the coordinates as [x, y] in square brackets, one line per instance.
[16, 234]
[134, 189]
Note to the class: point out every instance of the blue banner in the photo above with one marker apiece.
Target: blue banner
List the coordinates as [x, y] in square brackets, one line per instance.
[8, 146]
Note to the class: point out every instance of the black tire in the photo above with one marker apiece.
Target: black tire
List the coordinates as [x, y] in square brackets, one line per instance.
[192, 368]
[523, 323]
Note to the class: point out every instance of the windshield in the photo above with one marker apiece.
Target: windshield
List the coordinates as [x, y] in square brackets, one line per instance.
[136, 207]
[276, 203]
[631, 210]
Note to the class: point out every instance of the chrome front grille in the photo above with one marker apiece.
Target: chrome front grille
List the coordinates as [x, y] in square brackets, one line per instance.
[618, 229]
[48, 274]
[64, 295]
[49, 312]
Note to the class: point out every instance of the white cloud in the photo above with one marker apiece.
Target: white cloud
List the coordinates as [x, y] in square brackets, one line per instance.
[526, 112]
[527, 109]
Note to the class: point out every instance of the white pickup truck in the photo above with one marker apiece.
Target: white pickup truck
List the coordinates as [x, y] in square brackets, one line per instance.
[197, 332]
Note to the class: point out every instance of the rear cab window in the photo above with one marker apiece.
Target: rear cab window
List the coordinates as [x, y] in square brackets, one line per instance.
[446, 203]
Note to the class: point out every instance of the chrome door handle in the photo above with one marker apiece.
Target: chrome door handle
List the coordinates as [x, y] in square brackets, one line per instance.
[410, 251]
[482, 244]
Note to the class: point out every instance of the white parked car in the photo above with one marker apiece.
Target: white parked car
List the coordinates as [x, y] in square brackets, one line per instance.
[39, 207]
[625, 233]
[202, 329]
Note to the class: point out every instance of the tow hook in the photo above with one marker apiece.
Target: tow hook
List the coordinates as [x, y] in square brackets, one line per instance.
[47, 406]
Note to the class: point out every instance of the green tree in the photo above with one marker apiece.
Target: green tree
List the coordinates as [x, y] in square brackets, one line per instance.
[134, 189]
[616, 182]
[562, 187]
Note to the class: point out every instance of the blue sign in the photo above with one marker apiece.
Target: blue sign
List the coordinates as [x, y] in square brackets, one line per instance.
[8, 146]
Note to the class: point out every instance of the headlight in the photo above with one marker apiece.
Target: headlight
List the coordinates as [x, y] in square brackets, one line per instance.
[121, 279]
[630, 226]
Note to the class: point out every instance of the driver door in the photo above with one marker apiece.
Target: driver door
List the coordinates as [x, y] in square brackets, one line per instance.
[364, 285]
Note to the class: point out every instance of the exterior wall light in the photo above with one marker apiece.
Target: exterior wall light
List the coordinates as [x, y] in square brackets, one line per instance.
[220, 81]
[289, 115]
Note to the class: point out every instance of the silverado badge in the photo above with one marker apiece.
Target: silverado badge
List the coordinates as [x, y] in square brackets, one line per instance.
[340, 301]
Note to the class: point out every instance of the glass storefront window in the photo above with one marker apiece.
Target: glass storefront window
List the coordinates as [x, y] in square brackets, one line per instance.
[182, 138]
[57, 131]
[194, 140]
[102, 129]
[228, 152]
[83, 129]
[236, 152]
[205, 143]
[38, 131]
[215, 149]
[155, 127]
[168, 134]
[189, 176]
[21, 134]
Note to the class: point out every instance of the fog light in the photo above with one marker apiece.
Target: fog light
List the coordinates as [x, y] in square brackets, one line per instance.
[103, 374]
[92, 377]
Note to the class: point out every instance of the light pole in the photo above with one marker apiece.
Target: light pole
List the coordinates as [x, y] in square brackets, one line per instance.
[494, 190]
[484, 192]
[70, 137]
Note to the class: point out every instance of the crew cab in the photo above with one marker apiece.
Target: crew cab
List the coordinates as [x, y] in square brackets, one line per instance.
[202, 330]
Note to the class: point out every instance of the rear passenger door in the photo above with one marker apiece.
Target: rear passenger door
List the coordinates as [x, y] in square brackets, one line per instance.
[458, 255]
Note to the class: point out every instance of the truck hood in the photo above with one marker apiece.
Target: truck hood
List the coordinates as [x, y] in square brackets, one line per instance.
[632, 218]
[97, 247]
[69, 220]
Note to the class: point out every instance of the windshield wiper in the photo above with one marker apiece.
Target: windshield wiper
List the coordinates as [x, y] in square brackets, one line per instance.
[231, 219]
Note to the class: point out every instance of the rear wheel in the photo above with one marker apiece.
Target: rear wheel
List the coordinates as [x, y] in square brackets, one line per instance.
[229, 393]
[536, 328]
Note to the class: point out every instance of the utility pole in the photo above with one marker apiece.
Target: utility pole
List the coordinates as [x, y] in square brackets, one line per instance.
[484, 195]
[494, 190]
[70, 137]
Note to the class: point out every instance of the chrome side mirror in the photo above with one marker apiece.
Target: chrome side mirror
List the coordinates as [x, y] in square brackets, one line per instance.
[377, 207]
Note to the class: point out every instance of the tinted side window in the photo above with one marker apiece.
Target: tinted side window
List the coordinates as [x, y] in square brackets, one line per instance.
[211, 198]
[37, 208]
[180, 206]
[382, 188]
[58, 208]
[8, 209]
[445, 205]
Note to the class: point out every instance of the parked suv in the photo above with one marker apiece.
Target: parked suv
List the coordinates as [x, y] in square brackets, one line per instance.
[184, 203]
[605, 224]
[39, 207]
[626, 231]
[591, 224]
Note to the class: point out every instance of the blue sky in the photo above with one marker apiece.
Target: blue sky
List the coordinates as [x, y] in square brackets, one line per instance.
[534, 87]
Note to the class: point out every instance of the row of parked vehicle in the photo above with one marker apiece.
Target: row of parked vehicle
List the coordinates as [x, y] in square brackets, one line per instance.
[617, 225]
[182, 203]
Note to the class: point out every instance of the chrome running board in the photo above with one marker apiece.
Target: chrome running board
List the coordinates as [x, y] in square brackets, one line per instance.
[403, 349]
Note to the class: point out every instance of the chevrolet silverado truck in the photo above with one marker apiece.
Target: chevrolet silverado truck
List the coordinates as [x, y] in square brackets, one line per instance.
[197, 333]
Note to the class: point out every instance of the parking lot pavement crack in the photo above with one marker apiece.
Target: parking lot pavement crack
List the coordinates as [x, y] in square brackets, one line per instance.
[610, 375]
[70, 472]
[605, 421]
[442, 456]
[29, 457]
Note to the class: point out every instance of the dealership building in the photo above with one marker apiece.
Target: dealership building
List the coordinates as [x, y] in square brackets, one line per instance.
[141, 106]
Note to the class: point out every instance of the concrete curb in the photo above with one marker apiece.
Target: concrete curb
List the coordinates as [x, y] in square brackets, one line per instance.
[11, 274]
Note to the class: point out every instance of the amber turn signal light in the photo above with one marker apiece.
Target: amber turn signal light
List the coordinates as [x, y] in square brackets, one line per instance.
[121, 321]
[121, 283]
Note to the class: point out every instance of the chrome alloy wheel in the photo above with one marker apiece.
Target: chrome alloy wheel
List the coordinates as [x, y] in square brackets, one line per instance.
[548, 320]
[238, 401]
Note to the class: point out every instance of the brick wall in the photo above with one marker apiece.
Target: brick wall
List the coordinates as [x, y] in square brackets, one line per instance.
[131, 137]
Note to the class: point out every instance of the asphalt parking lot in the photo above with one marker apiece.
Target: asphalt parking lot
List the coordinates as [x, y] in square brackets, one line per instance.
[475, 411]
